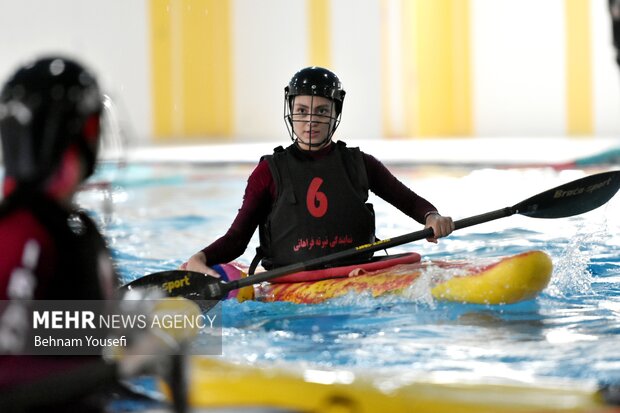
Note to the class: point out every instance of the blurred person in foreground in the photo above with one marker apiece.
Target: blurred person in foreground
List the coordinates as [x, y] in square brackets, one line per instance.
[50, 112]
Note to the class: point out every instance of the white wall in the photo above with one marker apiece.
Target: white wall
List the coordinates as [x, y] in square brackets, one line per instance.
[272, 46]
[518, 66]
[356, 57]
[111, 37]
[269, 49]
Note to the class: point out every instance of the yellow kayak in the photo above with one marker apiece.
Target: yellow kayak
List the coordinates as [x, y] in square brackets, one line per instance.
[497, 281]
[217, 384]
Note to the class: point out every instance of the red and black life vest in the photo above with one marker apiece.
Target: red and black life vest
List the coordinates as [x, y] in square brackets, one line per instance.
[320, 206]
[82, 271]
[80, 247]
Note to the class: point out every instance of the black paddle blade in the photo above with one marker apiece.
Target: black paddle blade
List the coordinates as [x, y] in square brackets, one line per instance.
[175, 283]
[573, 198]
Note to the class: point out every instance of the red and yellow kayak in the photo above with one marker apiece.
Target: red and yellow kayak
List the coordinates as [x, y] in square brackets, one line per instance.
[497, 281]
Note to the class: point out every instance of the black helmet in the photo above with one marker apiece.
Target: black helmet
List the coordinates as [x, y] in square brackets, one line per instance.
[45, 108]
[314, 81]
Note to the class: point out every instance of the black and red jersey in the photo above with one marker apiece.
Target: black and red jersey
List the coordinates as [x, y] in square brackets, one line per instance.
[261, 193]
[320, 207]
[49, 252]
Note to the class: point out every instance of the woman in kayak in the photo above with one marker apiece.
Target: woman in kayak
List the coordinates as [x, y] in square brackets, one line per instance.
[309, 199]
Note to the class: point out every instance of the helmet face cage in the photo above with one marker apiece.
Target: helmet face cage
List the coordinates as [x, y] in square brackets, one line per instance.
[46, 108]
[314, 81]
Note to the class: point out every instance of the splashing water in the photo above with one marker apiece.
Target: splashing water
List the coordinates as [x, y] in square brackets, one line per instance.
[572, 274]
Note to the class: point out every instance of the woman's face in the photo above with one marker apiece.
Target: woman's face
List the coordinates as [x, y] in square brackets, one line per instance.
[313, 119]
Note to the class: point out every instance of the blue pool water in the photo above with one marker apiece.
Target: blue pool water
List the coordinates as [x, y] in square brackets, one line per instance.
[156, 216]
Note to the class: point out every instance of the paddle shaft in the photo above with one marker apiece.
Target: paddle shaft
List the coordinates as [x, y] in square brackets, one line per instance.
[353, 252]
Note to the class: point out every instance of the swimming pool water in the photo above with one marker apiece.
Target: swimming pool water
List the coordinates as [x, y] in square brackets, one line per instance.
[156, 216]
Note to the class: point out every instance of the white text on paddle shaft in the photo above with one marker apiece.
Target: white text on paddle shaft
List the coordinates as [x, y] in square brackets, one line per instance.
[87, 320]
[173, 285]
[560, 193]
